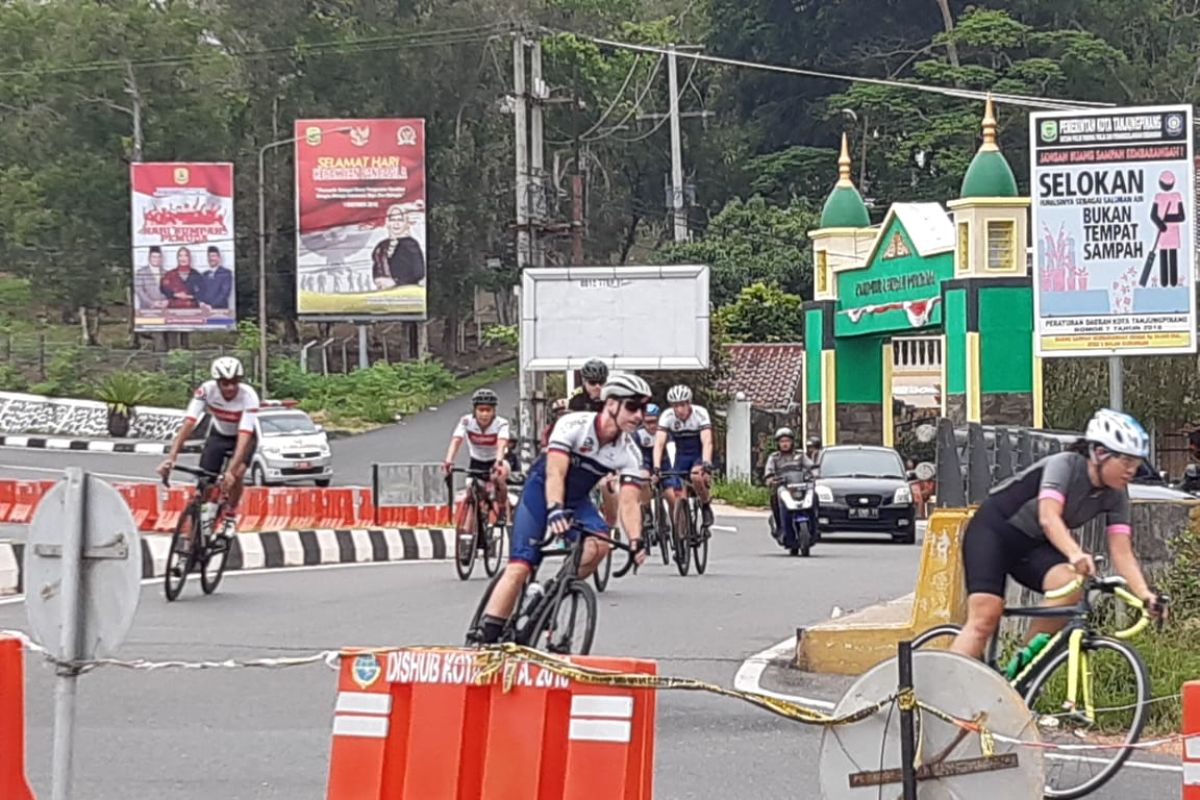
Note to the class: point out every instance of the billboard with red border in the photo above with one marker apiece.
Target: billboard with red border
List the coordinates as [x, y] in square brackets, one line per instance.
[183, 255]
[361, 218]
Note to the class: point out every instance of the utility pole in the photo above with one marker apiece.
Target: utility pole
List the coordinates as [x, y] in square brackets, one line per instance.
[677, 211]
[135, 111]
[521, 141]
[537, 164]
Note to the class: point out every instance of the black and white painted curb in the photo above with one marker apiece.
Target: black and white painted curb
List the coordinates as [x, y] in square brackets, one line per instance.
[92, 445]
[274, 549]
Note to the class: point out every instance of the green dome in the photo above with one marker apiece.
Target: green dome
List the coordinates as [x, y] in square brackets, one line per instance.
[844, 208]
[989, 176]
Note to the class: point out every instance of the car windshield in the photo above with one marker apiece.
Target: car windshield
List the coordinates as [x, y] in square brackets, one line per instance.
[285, 424]
[861, 463]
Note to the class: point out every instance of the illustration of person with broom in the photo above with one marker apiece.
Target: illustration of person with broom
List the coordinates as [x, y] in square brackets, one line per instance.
[1166, 214]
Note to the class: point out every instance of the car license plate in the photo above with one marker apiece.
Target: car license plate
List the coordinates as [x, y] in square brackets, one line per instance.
[303, 465]
[864, 513]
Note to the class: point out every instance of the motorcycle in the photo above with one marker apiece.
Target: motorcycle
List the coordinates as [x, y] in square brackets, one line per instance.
[797, 499]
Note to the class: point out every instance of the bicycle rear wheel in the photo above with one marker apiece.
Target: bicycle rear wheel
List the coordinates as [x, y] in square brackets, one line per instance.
[1120, 690]
[181, 555]
[681, 522]
[466, 543]
[212, 566]
[662, 528]
[567, 627]
[475, 627]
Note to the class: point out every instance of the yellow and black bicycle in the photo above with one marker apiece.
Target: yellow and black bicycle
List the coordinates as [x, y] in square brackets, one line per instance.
[1089, 693]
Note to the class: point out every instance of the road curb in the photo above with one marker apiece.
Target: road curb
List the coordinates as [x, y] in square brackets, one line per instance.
[42, 442]
[275, 549]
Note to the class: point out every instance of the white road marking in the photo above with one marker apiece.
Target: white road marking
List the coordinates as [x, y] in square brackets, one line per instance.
[749, 675]
[240, 573]
[725, 528]
[1147, 765]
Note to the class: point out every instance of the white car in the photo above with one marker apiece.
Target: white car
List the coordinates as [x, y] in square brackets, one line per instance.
[291, 449]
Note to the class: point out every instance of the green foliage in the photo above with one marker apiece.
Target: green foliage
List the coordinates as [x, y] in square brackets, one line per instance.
[64, 375]
[764, 313]
[122, 391]
[754, 241]
[501, 335]
[12, 379]
[1163, 392]
[741, 493]
[248, 336]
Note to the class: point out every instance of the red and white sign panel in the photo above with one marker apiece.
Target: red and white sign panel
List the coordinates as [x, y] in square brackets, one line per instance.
[360, 218]
[183, 267]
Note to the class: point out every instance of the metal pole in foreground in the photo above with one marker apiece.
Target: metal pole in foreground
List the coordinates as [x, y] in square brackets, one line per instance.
[1116, 383]
[908, 740]
[677, 213]
[66, 684]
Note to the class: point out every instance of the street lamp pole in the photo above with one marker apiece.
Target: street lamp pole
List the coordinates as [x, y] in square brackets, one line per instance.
[262, 252]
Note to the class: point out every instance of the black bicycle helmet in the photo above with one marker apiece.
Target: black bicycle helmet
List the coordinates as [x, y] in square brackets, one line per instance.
[485, 397]
[814, 441]
[595, 371]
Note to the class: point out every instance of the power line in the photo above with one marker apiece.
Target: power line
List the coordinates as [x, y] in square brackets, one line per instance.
[973, 94]
[432, 38]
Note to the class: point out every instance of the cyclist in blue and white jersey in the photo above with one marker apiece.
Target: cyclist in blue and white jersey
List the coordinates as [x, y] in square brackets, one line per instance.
[584, 448]
[644, 436]
[690, 427]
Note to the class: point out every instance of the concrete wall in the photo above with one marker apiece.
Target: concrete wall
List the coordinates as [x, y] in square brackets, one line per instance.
[1007, 408]
[32, 413]
[859, 423]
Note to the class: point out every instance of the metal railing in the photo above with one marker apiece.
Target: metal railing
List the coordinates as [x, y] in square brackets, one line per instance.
[973, 458]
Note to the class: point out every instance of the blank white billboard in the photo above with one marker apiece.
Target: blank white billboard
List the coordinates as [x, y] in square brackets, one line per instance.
[635, 318]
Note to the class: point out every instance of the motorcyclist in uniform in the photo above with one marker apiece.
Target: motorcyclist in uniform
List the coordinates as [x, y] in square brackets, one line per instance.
[785, 465]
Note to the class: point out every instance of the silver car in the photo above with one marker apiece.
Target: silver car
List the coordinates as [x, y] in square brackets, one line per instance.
[291, 449]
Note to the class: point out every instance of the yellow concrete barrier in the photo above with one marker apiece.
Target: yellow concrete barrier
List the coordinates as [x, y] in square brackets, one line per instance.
[852, 644]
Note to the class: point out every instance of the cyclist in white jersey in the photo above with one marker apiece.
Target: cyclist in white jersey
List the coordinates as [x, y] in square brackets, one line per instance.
[690, 427]
[487, 437]
[584, 448]
[233, 407]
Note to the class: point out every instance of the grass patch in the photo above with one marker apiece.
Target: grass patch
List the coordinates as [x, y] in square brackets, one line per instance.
[741, 493]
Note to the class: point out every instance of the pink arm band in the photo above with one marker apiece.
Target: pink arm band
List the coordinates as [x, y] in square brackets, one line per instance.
[1125, 529]
[1052, 494]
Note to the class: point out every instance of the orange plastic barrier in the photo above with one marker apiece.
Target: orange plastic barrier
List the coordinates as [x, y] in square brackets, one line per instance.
[27, 495]
[1191, 742]
[336, 508]
[142, 499]
[8, 496]
[279, 510]
[253, 508]
[172, 503]
[411, 724]
[13, 785]
[306, 508]
[364, 509]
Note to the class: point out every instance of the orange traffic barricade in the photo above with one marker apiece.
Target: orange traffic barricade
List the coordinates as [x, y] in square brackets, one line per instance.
[172, 502]
[414, 724]
[336, 509]
[306, 508]
[1191, 740]
[364, 508]
[13, 784]
[142, 499]
[8, 496]
[27, 495]
[253, 508]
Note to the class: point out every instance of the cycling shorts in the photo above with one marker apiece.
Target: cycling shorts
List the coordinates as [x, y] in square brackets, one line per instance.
[219, 447]
[529, 523]
[481, 465]
[683, 463]
[993, 549]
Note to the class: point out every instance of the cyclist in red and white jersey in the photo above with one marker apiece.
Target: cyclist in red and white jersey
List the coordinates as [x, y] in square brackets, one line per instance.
[487, 437]
[233, 407]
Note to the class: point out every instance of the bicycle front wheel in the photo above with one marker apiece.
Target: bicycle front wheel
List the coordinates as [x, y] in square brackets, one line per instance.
[466, 542]
[567, 627]
[700, 550]
[493, 548]
[180, 556]
[681, 523]
[212, 567]
[942, 634]
[662, 528]
[603, 571]
[1116, 679]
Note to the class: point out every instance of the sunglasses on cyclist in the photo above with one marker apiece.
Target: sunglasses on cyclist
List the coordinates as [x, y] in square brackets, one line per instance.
[634, 406]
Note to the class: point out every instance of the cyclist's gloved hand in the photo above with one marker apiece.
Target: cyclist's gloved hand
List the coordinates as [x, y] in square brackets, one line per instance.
[447, 466]
[1156, 604]
[558, 520]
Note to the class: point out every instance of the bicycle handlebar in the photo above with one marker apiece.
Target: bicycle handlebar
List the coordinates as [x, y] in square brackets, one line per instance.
[196, 471]
[1116, 587]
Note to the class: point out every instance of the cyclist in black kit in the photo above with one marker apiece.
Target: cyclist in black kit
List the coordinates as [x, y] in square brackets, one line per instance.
[1023, 527]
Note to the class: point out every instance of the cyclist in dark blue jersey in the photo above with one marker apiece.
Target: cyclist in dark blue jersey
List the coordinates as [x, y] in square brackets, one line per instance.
[690, 427]
[584, 448]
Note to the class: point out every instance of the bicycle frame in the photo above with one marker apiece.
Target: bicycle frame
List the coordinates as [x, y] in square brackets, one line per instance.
[1071, 638]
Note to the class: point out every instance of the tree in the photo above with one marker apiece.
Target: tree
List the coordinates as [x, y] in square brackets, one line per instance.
[753, 241]
[763, 313]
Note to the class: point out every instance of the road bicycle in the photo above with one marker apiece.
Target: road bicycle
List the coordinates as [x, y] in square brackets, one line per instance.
[558, 616]
[604, 569]
[690, 538]
[208, 551]
[485, 536]
[656, 523]
[1082, 687]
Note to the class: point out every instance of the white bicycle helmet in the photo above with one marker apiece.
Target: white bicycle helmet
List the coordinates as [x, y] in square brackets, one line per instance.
[624, 384]
[785, 433]
[679, 394]
[1118, 432]
[226, 368]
